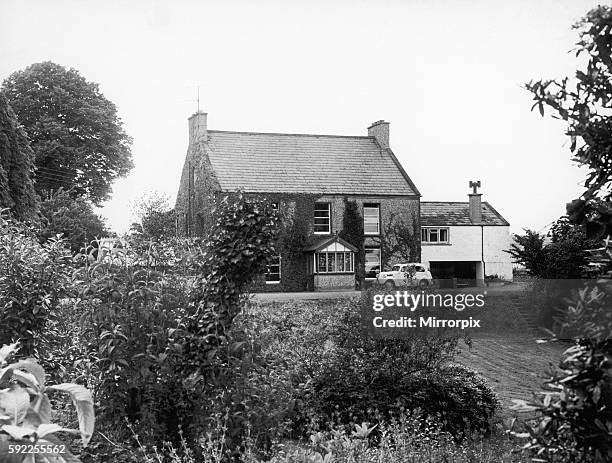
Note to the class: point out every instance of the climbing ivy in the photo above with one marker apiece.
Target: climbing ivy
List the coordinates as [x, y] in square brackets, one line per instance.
[352, 232]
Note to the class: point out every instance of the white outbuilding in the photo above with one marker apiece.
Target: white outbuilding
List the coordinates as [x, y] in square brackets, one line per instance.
[465, 240]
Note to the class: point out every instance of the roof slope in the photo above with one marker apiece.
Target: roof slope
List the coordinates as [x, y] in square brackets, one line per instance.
[435, 213]
[291, 163]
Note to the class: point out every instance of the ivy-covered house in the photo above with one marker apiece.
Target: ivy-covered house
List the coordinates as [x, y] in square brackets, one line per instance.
[341, 196]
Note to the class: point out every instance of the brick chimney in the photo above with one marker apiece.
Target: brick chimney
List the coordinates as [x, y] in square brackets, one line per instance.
[475, 202]
[197, 127]
[380, 131]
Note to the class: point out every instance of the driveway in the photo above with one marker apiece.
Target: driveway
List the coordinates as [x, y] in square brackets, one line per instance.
[305, 296]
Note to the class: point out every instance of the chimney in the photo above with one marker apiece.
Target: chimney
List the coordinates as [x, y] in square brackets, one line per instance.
[380, 131]
[475, 202]
[197, 128]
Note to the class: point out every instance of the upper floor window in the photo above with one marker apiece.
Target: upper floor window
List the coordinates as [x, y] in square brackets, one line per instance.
[371, 219]
[434, 235]
[322, 218]
[273, 271]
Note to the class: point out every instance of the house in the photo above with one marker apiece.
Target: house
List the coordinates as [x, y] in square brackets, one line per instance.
[310, 178]
[465, 240]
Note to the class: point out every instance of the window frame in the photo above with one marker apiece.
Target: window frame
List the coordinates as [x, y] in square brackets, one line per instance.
[329, 219]
[280, 271]
[428, 232]
[336, 259]
[371, 206]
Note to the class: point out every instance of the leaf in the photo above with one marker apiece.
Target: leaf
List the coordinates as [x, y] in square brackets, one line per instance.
[83, 402]
[32, 366]
[42, 407]
[15, 403]
[49, 428]
[17, 432]
[6, 373]
[25, 378]
[7, 350]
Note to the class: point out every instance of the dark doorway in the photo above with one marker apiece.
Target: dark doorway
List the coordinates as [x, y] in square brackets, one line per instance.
[454, 273]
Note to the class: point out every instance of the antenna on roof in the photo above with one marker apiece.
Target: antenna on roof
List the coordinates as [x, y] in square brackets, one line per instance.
[197, 100]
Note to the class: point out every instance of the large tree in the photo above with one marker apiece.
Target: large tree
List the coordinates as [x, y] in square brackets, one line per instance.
[16, 166]
[78, 139]
[584, 103]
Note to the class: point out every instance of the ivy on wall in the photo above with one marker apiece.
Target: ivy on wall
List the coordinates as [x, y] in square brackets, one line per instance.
[352, 232]
[401, 239]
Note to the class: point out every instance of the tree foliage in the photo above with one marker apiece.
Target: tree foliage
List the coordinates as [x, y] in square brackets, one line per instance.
[565, 255]
[16, 166]
[157, 219]
[400, 239]
[584, 103]
[352, 232]
[72, 217]
[75, 132]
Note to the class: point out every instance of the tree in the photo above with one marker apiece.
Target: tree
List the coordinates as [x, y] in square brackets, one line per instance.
[16, 166]
[157, 218]
[400, 239]
[74, 218]
[75, 133]
[352, 232]
[585, 104]
[564, 256]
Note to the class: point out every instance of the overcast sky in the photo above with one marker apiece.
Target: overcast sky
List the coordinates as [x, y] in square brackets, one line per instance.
[447, 75]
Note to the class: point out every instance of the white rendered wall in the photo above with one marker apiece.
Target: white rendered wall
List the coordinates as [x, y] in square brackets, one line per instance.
[465, 245]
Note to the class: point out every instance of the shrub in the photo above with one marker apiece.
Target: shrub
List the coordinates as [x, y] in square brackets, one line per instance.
[71, 217]
[340, 375]
[162, 351]
[575, 415]
[33, 279]
[25, 412]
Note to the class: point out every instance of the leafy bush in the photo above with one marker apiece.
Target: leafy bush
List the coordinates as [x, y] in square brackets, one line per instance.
[72, 217]
[33, 279]
[564, 256]
[161, 350]
[25, 412]
[575, 415]
[354, 385]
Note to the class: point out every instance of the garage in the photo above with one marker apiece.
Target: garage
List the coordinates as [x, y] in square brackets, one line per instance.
[459, 273]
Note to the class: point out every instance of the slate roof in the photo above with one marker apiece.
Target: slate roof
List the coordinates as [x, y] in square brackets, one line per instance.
[296, 163]
[434, 213]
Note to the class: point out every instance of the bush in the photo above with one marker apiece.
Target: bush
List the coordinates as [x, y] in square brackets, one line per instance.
[25, 412]
[71, 217]
[33, 279]
[575, 415]
[354, 385]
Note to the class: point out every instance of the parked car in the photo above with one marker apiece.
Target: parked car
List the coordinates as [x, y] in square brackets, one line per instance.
[372, 272]
[410, 274]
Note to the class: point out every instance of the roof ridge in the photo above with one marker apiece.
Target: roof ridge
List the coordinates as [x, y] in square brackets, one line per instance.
[292, 134]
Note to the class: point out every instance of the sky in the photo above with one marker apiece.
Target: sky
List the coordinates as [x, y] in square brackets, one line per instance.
[447, 75]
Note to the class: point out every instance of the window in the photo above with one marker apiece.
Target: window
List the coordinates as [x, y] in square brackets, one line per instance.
[334, 262]
[371, 219]
[322, 216]
[273, 271]
[434, 235]
[372, 261]
[274, 205]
